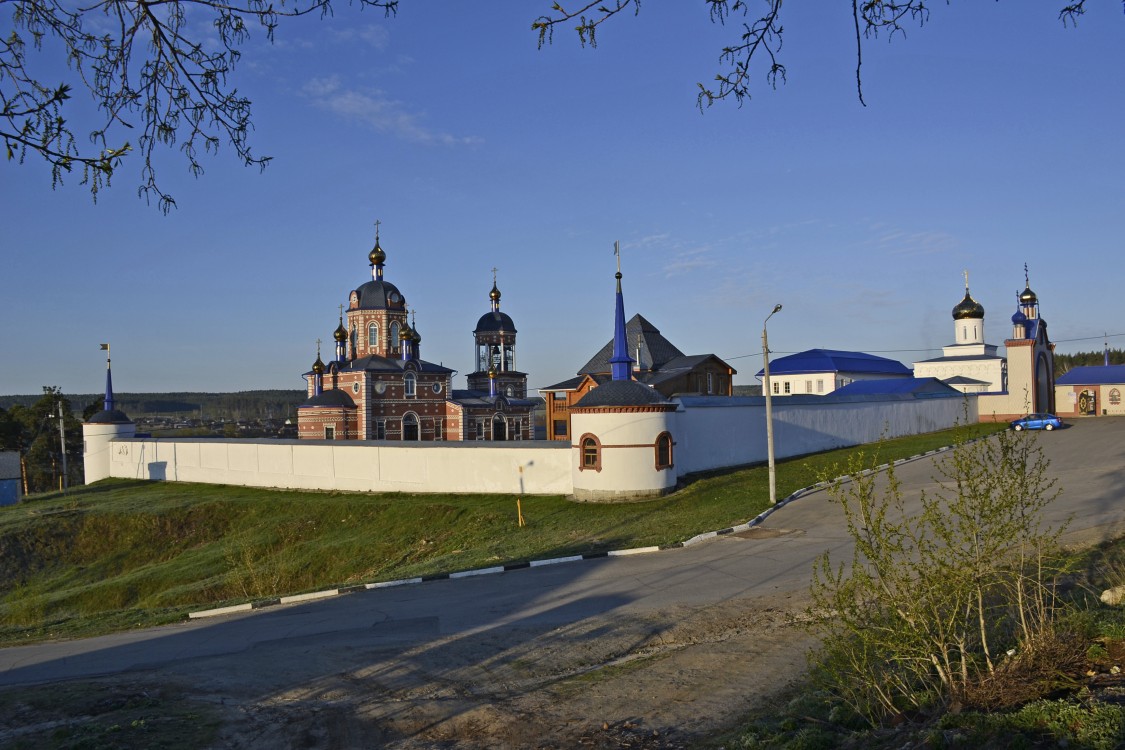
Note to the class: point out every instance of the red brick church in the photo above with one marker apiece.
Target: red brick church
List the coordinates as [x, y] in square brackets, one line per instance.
[377, 386]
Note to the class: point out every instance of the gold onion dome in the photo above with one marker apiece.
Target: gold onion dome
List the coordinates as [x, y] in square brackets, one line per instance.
[968, 308]
[341, 333]
[405, 334]
[318, 366]
[494, 295]
[1028, 297]
[377, 256]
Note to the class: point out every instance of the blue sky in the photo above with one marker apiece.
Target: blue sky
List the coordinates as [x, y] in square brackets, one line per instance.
[992, 138]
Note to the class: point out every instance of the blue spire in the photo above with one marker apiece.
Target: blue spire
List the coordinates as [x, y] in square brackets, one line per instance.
[621, 363]
[109, 383]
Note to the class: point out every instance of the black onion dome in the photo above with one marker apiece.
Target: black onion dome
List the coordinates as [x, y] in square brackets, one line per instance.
[495, 321]
[379, 295]
[968, 308]
[1028, 297]
[621, 393]
[114, 416]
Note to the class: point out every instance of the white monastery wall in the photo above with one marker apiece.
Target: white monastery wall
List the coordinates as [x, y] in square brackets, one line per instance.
[708, 433]
[717, 432]
[350, 466]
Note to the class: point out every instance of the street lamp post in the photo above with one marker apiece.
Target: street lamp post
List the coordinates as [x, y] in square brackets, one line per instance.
[769, 407]
[62, 448]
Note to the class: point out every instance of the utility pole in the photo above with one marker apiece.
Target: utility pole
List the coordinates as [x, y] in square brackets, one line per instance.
[62, 446]
[769, 407]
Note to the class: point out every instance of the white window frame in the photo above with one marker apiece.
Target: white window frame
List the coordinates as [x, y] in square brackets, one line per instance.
[410, 385]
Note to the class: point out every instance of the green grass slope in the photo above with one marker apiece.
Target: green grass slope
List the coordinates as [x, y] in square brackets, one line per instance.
[121, 554]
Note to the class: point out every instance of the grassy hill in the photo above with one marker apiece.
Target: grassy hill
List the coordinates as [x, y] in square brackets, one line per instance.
[122, 554]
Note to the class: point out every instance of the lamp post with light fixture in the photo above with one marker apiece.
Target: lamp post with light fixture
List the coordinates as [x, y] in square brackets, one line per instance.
[769, 407]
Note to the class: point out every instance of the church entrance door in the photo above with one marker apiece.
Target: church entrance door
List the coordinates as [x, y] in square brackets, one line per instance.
[499, 428]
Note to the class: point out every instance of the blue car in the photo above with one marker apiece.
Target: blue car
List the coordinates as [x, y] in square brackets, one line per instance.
[1037, 422]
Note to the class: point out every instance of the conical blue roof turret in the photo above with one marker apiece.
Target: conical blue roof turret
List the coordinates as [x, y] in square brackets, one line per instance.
[621, 363]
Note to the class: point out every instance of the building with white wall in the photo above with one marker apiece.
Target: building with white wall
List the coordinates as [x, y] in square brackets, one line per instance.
[818, 372]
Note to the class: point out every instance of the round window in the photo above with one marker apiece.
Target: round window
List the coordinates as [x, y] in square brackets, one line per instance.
[437, 387]
[355, 387]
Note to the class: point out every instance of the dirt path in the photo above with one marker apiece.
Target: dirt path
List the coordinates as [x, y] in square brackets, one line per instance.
[610, 684]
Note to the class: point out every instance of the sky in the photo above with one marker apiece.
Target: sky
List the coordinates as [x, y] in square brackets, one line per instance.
[991, 138]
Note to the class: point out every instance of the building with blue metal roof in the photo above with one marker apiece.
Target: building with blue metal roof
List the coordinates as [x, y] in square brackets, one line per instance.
[1091, 390]
[822, 371]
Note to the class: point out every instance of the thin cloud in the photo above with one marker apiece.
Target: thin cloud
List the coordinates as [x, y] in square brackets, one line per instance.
[376, 37]
[899, 242]
[376, 110]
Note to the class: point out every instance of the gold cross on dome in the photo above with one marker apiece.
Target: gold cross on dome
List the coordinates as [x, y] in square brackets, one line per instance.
[494, 270]
[966, 272]
[318, 347]
[341, 312]
[377, 223]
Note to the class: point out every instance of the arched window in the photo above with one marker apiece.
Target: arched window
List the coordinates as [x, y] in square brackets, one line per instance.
[499, 427]
[373, 335]
[664, 450]
[394, 336]
[410, 385]
[591, 458]
[410, 426]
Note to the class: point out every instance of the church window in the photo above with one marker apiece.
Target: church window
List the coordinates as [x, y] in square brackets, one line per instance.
[410, 426]
[517, 429]
[591, 453]
[329, 432]
[373, 335]
[1114, 396]
[439, 430]
[436, 387]
[355, 387]
[787, 390]
[410, 385]
[664, 450]
[381, 429]
[394, 336]
[508, 391]
[776, 387]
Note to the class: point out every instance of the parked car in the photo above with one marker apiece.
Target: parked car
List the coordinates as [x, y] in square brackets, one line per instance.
[1037, 422]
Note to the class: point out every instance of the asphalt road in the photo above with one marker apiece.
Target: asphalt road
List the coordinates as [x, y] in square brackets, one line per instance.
[300, 642]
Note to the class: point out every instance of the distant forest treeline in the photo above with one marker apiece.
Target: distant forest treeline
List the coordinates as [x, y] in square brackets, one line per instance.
[1064, 362]
[223, 406]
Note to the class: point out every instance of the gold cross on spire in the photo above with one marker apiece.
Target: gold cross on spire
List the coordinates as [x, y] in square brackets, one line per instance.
[494, 270]
[966, 272]
[318, 348]
[377, 223]
[617, 252]
[341, 312]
